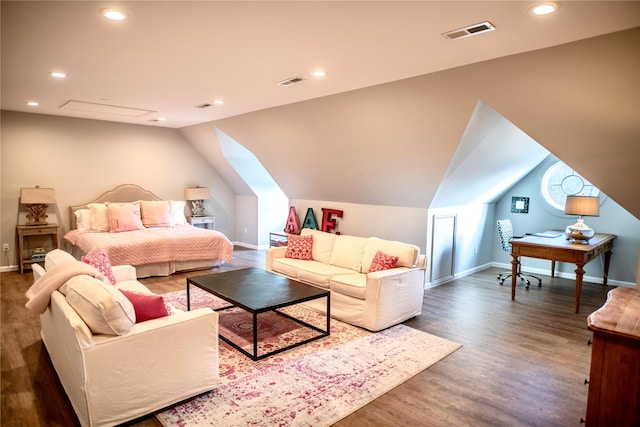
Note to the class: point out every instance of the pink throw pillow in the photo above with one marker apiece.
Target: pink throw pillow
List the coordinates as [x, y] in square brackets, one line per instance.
[124, 217]
[100, 261]
[383, 262]
[299, 247]
[146, 306]
[155, 213]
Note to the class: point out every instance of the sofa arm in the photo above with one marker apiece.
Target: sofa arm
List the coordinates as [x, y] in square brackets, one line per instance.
[176, 357]
[393, 296]
[274, 253]
[123, 273]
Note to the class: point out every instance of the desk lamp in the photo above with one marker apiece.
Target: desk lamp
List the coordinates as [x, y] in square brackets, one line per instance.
[197, 196]
[582, 206]
[37, 201]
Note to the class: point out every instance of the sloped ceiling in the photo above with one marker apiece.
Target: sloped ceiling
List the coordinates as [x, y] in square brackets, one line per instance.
[392, 144]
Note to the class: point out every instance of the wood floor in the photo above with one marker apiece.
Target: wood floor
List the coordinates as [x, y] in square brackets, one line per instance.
[522, 363]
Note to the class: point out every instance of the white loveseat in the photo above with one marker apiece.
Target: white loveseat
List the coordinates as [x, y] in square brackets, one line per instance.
[341, 263]
[111, 379]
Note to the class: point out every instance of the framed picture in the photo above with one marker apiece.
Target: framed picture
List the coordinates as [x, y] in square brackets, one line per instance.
[520, 205]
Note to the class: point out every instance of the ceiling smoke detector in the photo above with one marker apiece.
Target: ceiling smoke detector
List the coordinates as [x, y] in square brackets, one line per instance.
[290, 81]
[471, 30]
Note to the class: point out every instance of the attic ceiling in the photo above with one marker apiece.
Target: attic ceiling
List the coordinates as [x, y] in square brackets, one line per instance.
[169, 57]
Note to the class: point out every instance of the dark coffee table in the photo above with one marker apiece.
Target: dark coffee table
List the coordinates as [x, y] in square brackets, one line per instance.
[258, 291]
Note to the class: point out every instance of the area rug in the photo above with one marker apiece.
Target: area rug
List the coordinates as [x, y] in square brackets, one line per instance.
[316, 384]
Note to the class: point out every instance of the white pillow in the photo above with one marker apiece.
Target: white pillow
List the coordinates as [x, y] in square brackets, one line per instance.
[103, 307]
[99, 217]
[177, 212]
[83, 219]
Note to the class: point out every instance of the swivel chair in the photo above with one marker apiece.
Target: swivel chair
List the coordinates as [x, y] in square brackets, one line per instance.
[505, 231]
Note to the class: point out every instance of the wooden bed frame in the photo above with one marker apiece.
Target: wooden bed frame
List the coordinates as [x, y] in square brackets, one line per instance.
[127, 193]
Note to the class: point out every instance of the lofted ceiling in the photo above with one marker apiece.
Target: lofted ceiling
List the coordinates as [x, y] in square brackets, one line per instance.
[168, 57]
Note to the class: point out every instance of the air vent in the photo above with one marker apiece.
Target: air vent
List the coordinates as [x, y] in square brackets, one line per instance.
[205, 105]
[472, 30]
[289, 82]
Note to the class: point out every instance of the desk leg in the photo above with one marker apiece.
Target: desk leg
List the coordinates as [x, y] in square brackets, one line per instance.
[607, 260]
[514, 275]
[579, 274]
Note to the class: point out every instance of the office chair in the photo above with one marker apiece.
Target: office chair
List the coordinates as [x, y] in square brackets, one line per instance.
[505, 231]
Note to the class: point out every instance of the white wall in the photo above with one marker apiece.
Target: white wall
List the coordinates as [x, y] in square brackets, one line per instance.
[81, 159]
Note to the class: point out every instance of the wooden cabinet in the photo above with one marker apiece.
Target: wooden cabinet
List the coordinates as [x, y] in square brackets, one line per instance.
[614, 382]
[47, 236]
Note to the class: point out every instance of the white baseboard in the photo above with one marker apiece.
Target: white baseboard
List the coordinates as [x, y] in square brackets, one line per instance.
[6, 268]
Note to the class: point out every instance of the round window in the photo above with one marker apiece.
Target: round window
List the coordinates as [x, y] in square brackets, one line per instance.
[560, 181]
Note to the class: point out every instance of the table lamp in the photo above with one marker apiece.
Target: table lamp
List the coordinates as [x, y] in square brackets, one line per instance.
[197, 196]
[37, 200]
[582, 206]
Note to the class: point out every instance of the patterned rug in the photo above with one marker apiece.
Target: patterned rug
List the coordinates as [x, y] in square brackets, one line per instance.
[316, 384]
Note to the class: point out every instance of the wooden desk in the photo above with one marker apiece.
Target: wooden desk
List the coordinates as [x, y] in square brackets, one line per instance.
[559, 249]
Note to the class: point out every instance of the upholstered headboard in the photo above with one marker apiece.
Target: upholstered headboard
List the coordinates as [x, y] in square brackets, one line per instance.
[124, 193]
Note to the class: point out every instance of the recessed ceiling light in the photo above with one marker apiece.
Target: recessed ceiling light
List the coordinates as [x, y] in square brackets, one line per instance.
[544, 8]
[33, 103]
[58, 74]
[319, 73]
[113, 14]
[218, 102]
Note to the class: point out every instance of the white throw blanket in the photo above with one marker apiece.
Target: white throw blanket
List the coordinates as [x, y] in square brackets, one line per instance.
[39, 294]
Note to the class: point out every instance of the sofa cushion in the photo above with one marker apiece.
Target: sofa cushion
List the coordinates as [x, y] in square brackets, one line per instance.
[299, 247]
[383, 261]
[322, 244]
[56, 257]
[347, 252]
[99, 259]
[407, 254]
[147, 306]
[312, 272]
[352, 285]
[101, 306]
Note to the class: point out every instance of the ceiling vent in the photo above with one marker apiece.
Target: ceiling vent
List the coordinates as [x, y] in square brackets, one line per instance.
[471, 30]
[205, 105]
[289, 82]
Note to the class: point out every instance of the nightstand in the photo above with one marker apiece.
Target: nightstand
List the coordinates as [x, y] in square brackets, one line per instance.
[26, 232]
[208, 222]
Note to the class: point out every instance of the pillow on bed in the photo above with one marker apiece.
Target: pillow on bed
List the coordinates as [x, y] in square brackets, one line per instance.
[177, 212]
[83, 219]
[99, 218]
[124, 217]
[155, 213]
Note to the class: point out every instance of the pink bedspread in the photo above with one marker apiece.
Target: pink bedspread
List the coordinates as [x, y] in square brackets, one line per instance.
[153, 245]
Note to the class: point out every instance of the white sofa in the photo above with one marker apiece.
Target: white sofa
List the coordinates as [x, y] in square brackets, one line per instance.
[111, 379]
[372, 300]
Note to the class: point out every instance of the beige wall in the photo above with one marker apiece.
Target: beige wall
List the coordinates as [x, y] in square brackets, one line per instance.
[83, 158]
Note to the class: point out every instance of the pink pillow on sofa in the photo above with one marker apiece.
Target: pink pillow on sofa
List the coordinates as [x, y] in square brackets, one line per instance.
[146, 306]
[299, 247]
[100, 261]
[383, 262]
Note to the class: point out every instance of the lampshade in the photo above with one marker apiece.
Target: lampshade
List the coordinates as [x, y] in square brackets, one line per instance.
[582, 205]
[37, 195]
[196, 193]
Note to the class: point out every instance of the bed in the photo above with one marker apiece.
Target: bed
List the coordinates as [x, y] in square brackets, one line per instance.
[159, 242]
